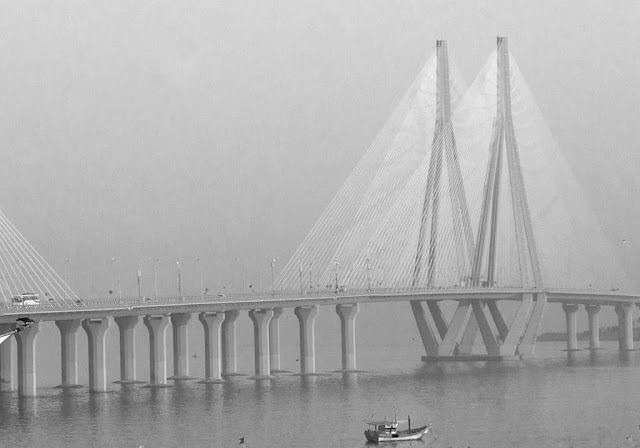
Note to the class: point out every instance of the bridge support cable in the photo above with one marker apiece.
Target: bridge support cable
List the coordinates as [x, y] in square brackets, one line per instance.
[367, 236]
[468, 193]
[23, 271]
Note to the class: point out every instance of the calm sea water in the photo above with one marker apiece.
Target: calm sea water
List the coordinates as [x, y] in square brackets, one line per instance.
[551, 401]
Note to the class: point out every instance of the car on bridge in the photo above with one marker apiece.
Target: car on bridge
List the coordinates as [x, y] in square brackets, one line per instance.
[26, 299]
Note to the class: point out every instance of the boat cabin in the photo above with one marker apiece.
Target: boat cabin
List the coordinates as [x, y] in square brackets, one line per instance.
[387, 431]
[388, 428]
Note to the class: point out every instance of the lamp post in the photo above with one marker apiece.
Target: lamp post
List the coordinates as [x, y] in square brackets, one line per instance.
[311, 277]
[179, 279]
[65, 278]
[625, 261]
[114, 260]
[233, 277]
[243, 276]
[155, 276]
[273, 265]
[337, 264]
[139, 281]
[368, 264]
[199, 271]
[301, 283]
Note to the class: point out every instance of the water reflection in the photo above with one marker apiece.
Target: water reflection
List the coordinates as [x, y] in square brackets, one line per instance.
[350, 380]
[525, 404]
[625, 357]
[594, 356]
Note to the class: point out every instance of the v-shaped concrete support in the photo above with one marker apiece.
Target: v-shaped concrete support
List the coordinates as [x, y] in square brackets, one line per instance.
[503, 141]
[434, 331]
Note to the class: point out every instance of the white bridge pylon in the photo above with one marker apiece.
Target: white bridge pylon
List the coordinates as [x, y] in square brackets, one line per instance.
[461, 191]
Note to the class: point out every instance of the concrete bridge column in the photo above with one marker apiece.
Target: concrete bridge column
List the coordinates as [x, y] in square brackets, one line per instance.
[69, 351]
[570, 310]
[179, 324]
[594, 327]
[7, 382]
[261, 320]
[348, 315]
[625, 326]
[274, 341]
[306, 316]
[212, 365]
[96, 330]
[157, 326]
[26, 340]
[228, 336]
[127, 327]
[456, 329]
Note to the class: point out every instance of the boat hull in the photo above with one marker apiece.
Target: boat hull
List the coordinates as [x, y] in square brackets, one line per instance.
[400, 436]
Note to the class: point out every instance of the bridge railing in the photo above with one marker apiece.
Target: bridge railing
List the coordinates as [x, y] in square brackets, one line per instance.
[110, 302]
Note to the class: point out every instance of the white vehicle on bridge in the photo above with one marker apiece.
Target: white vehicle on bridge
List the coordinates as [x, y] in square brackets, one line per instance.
[26, 299]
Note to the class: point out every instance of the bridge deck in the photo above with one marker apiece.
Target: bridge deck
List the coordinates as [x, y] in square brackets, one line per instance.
[130, 307]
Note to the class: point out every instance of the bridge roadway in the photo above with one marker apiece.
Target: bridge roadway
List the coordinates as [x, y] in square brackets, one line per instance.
[218, 315]
[97, 308]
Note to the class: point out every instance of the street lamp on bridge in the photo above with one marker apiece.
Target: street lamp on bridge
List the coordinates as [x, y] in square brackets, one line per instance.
[273, 265]
[155, 276]
[179, 279]
[368, 266]
[139, 280]
[114, 260]
[65, 278]
[198, 269]
[243, 276]
[301, 283]
[337, 264]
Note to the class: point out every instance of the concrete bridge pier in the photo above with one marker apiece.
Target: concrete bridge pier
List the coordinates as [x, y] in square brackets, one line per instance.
[157, 326]
[127, 327]
[306, 316]
[212, 363]
[456, 329]
[570, 310]
[594, 327]
[261, 320]
[179, 324]
[625, 326]
[26, 340]
[348, 315]
[96, 330]
[69, 351]
[274, 341]
[228, 336]
[7, 381]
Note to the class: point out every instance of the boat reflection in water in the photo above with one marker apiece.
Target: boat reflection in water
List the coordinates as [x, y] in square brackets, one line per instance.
[387, 431]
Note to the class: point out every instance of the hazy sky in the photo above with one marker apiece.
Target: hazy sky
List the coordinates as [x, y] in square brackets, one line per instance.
[221, 130]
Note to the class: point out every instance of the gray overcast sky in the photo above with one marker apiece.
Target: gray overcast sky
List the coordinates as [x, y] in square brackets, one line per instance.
[222, 129]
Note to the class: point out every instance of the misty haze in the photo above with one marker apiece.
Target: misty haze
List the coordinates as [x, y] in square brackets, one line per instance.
[273, 223]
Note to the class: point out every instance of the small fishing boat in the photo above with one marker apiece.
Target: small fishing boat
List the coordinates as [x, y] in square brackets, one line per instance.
[387, 431]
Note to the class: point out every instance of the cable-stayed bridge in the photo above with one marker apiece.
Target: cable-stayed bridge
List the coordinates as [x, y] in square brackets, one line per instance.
[464, 200]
